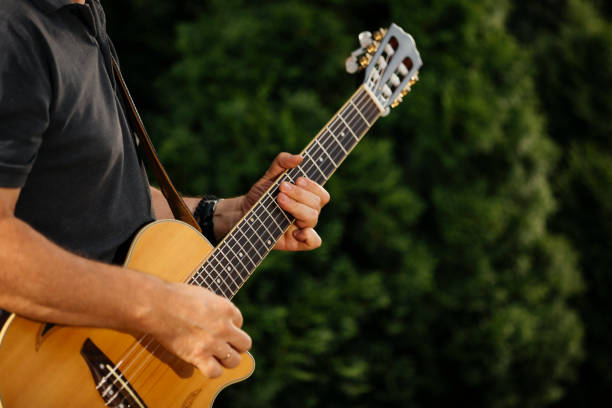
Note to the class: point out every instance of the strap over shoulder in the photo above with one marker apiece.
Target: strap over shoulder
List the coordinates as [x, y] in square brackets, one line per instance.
[177, 205]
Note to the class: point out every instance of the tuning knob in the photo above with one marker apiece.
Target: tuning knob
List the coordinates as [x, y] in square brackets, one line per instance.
[365, 39]
[397, 102]
[364, 61]
[414, 79]
[371, 49]
[378, 35]
[351, 65]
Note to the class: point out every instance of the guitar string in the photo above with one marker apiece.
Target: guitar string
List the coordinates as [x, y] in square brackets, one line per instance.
[334, 166]
[152, 384]
[227, 259]
[308, 166]
[146, 378]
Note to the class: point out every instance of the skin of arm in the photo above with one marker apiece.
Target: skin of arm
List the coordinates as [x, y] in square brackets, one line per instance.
[41, 281]
[303, 200]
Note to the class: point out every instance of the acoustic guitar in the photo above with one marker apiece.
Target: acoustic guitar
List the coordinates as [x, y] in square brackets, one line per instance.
[44, 365]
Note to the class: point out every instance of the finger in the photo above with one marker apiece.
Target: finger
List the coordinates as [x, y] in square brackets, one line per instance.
[229, 357]
[301, 195]
[307, 239]
[210, 367]
[315, 188]
[282, 162]
[240, 340]
[305, 216]
[236, 316]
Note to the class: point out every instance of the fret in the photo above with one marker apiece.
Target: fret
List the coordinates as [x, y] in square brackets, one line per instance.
[347, 136]
[235, 259]
[313, 172]
[250, 223]
[331, 144]
[297, 169]
[360, 122]
[231, 265]
[268, 241]
[314, 162]
[280, 210]
[357, 124]
[373, 111]
[360, 114]
[239, 272]
[242, 255]
[336, 139]
[370, 110]
[214, 282]
[252, 249]
[228, 268]
[348, 127]
[217, 277]
[278, 215]
[198, 278]
[321, 158]
[332, 161]
[259, 226]
[246, 253]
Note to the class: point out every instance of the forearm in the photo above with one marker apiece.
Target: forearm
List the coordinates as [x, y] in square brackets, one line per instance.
[226, 215]
[41, 281]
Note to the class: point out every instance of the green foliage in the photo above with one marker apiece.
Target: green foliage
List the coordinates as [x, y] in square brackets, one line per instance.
[573, 67]
[439, 280]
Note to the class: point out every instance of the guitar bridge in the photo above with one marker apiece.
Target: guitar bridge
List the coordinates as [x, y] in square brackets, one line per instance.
[112, 386]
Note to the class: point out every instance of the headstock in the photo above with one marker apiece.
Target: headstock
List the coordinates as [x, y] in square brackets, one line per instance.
[391, 62]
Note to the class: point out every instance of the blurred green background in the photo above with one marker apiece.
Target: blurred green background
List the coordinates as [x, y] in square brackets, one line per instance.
[466, 254]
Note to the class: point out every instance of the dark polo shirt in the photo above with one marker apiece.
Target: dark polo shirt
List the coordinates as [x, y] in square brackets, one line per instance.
[64, 138]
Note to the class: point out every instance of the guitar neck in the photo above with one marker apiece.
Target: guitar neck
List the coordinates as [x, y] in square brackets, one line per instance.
[253, 237]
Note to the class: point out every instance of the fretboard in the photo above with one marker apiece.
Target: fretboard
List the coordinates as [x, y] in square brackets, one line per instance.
[237, 256]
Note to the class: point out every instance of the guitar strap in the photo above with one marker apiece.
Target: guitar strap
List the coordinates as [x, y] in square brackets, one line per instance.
[177, 205]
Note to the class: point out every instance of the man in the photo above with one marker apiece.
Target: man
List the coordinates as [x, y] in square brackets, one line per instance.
[72, 193]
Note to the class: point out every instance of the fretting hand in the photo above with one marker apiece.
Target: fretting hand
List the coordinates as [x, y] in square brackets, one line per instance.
[303, 200]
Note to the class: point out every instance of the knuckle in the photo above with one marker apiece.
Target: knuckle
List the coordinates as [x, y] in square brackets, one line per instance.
[235, 311]
[234, 361]
[214, 370]
[314, 216]
[244, 343]
[228, 308]
[326, 197]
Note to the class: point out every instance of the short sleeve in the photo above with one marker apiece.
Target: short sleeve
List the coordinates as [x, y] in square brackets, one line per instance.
[25, 95]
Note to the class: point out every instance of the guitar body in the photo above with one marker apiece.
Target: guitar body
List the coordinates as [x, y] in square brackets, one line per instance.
[44, 366]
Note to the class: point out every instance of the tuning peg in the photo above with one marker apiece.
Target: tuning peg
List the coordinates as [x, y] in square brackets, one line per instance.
[414, 79]
[351, 65]
[365, 39]
[364, 60]
[378, 35]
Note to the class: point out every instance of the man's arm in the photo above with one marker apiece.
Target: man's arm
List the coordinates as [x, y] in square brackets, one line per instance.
[303, 200]
[41, 281]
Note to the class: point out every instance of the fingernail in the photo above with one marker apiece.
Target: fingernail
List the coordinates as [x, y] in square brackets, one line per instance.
[286, 186]
[301, 182]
